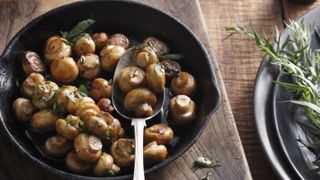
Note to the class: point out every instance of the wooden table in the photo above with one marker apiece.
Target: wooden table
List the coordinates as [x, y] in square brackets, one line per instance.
[236, 61]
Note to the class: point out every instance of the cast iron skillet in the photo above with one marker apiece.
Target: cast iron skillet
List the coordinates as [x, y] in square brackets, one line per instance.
[126, 17]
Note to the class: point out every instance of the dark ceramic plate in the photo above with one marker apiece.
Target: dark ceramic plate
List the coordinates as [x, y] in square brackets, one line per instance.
[132, 19]
[277, 130]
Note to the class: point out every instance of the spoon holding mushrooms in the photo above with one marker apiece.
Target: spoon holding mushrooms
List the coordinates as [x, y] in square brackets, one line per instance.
[138, 94]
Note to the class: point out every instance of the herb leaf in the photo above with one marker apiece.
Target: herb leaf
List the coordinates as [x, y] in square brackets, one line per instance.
[80, 28]
[82, 88]
[171, 57]
[206, 162]
[206, 177]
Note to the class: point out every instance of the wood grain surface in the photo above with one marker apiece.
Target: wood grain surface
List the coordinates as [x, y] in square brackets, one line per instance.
[239, 59]
[220, 139]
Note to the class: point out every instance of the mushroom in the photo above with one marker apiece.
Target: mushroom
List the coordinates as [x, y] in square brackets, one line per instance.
[122, 152]
[44, 94]
[110, 55]
[75, 165]
[31, 63]
[100, 39]
[157, 45]
[98, 125]
[89, 66]
[183, 84]
[155, 76]
[171, 68]
[44, 120]
[64, 70]
[56, 48]
[182, 109]
[57, 146]
[119, 40]
[87, 147]
[23, 109]
[116, 130]
[30, 83]
[86, 107]
[161, 133]
[69, 127]
[105, 166]
[105, 105]
[139, 97]
[67, 99]
[100, 88]
[84, 45]
[145, 56]
[154, 153]
[130, 78]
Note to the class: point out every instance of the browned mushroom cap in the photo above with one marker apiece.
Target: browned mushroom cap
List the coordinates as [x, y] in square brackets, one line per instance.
[119, 40]
[145, 56]
[143, 110]
[105, 166]
[56, 48]
[30, 83]
[98, 125]
[110, 55]
[69, 127]
[100, 88]
[84, 45]
[57, 146]
[75, 165]
[184, 84]
[64, 70]
[182, 109]
[154, 153]
[89, 66]
[86, 107]
[116, 131]
[23, 109]
[44, 94]
[100, 39]
[105, 105]
[31, 62]
[156, 79]
[44, 120]
[157, 45]
[161, 133]
[87, 147]
[138, 97]
[130, 78]
[172, 69]
[66, 99]
[122, 152]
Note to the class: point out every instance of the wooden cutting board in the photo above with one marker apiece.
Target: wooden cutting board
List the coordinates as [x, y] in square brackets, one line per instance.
[220, 139]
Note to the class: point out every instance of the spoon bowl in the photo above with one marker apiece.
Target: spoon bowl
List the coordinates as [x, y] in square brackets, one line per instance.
[118, 102]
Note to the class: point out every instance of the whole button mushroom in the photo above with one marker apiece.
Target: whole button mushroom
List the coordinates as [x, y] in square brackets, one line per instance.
[75, 165]
[70, 127]
[110, 55]
[130, 78]
[171, 68]
[31, 63]
[31, 83]
[64, 70]
[158, 46]
[57, 146]
[105, 105]
[98, 125]
[44, 94]
[155, 76]
[87, 147]
[182, 109]
[119, 40]
[145, 56]
[89, 66]
[56, 48]
[122, 152]
[44, 120]
[67, 99]
[105, 166]
[161, 133]
[184, 84]
[86, 107]
[84, 45]
[100, 88]
[100, 39]
[154, 153]
[23, 109]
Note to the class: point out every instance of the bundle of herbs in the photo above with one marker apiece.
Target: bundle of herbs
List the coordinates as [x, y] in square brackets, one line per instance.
[296, 58]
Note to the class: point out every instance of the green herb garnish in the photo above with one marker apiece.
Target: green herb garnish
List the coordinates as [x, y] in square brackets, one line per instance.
[206, 162]
[206, 177]
[171, 57]
[82, 89]
[77, 31]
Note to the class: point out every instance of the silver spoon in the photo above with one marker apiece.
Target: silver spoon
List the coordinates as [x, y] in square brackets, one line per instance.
[138, 123]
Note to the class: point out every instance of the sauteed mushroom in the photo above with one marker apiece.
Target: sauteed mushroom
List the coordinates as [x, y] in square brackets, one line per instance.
[23, 109]
[86, 107]
[84, 45]
[87, 147]
[161, 133]
[157, 45]
[89, 66]
[105, 105]
[154, 153]
[171, 68]
[99, 125]
[130, 78]
[100, 39]
[182, 109]
[155, 76]
[57, 146]
[44, 94]
[119, 40]
[69, 127]
[105, 166]
[100, 88]
[67, 99]
[110, 55]
[30, 83]
[44, 120]
[122, 152]
[64, 70]
[145, 56]
[31, 63]
[75, 165]
[183, 84]
[56, 48]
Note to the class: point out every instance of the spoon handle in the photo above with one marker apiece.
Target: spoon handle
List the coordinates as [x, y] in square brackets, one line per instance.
[138, 134]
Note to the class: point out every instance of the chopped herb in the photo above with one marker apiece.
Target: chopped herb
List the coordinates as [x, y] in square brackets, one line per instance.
[206, 177]
[206, 162]
[110, 81]
[82, 89]
[171, 57]
[17, 82]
